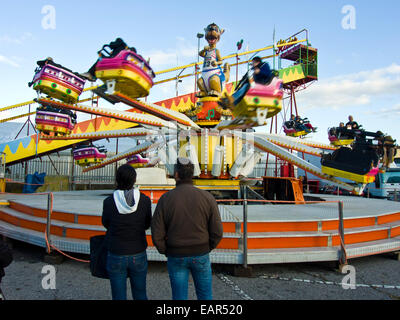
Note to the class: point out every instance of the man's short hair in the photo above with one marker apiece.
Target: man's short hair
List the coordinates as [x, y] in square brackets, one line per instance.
[258, 59]
[185, 168]
[126, 177]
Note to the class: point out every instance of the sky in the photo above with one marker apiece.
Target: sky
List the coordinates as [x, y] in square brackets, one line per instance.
[358, 67]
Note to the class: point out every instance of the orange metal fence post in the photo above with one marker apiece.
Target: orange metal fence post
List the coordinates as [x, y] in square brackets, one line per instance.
[244, 193]
[48, 222]
[342, 254]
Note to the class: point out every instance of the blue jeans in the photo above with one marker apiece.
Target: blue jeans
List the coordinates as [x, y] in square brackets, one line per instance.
[199, 267]
[133, 267]
[239, 94]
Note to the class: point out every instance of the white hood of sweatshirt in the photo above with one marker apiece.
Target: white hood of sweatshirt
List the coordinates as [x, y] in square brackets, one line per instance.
[120, 201]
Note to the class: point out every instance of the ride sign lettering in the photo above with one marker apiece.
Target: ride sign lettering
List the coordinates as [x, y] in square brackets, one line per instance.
[283, 48]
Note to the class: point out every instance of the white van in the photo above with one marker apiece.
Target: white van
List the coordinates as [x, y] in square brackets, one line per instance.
[386, 185]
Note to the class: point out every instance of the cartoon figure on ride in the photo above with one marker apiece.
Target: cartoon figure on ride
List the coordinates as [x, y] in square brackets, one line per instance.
[360, 161]
[257, 96]
[297, 126]
[137, 161]
[213, 78]
[57, 82]
[86, 154]
[123, 71]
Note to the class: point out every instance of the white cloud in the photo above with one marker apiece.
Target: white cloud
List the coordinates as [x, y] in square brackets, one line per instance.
[357, 89]
[168, 89]
[16, 40]
[9, 61]
[183, 53]
[395, 110]
[159, 57]
[6, 40]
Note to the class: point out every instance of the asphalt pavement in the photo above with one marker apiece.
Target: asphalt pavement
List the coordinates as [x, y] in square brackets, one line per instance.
[368, 278]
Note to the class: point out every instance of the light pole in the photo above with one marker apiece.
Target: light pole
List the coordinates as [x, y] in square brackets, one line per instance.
[199, 36]
[177, 81]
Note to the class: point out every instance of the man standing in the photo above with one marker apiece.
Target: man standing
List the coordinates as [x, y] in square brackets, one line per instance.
[186, 226]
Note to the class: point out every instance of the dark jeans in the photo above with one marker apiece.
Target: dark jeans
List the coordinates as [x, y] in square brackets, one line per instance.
[133, 267]
[2, 297]
[199, 267]
[301, 127]
[239, 94]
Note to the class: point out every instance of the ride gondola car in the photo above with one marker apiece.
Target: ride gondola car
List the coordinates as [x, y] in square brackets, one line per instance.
[360, 161]
[298, 127]
[127, 73]
[86, 155]
[342, 136]
[261, 98]
[137, 161]
[57, 82]
[259, 103]
[58, 121]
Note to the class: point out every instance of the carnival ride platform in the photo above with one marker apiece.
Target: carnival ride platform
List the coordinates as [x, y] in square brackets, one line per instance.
[276, 233]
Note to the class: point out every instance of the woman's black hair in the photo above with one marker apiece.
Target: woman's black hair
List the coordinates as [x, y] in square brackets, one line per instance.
[126, 177]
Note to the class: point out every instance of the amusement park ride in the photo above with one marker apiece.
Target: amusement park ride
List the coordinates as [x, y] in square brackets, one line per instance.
[217, 140]
[221, 141]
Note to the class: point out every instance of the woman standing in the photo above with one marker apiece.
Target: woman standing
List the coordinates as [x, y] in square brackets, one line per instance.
[126, 216]
[6, 257]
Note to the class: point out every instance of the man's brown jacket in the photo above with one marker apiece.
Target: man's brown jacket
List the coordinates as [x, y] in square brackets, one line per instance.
[186, 222]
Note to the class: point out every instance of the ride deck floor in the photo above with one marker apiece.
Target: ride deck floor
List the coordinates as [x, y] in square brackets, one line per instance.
[90, 202]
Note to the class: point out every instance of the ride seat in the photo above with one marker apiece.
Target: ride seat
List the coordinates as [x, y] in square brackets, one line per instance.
[358, 161]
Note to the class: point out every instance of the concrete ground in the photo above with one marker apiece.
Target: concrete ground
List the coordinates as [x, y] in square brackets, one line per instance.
[376, 278]
[269, 287]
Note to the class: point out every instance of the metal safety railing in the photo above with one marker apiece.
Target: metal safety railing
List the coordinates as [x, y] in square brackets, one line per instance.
[244, 192]
[244, 199]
